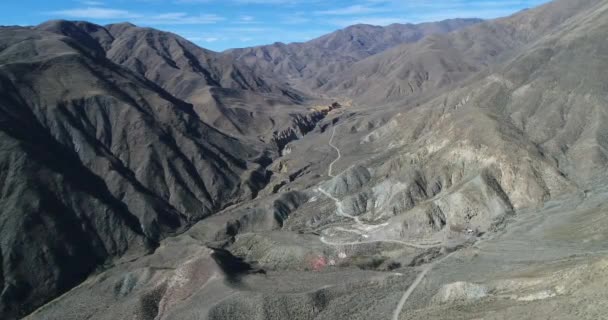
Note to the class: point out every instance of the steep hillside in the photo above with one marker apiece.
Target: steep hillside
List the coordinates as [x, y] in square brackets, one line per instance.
[467, 180]
[412, 72]
[310, 64]
[97, 160]
[225, 93]
[167, 59]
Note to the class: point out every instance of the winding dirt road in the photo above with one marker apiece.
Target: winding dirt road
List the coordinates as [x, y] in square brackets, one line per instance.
[340, 212]
[408, 244]
[339, 208]
[415, 284]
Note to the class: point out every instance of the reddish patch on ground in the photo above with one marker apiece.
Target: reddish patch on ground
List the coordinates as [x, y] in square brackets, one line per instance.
[318, 263]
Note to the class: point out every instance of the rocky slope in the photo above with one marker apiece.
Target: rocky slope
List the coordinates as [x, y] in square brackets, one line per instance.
[167, 59]
[412, 72]
[98, 160]
[466, 181]
[215, 84]
[310, 64]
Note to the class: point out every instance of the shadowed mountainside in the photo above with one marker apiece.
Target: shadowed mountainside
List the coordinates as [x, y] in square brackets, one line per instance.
[97, 159]
[215, 84]
[477, 150]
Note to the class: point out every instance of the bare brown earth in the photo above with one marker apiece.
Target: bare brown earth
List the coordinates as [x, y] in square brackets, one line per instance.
[462, 176]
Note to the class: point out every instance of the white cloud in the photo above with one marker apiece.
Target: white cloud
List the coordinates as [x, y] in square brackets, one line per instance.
[175, 18]
[92, 3]
[269, 2]
[96, 13]
[192, 1]
[170, 18]
[246, 19]
[352, 10]
[376, 21]
[247, 29]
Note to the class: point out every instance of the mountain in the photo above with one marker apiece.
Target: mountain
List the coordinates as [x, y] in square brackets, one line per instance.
[466, 180]
[97, 160]
[427, 67]
[164, 58]
[214, 84]
[112, 143]
[310, 64]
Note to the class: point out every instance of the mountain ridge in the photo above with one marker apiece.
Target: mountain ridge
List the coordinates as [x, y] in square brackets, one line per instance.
[309, 63]
[148, 178]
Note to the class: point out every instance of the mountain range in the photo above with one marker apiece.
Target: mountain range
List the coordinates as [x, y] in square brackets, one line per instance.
[443, 170]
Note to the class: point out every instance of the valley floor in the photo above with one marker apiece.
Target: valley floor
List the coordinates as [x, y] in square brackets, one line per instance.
[547, 263]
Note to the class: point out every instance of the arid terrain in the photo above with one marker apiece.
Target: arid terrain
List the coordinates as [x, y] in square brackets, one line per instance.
[447, 170]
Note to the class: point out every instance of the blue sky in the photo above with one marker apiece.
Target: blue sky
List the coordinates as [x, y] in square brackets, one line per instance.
[222, 24]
